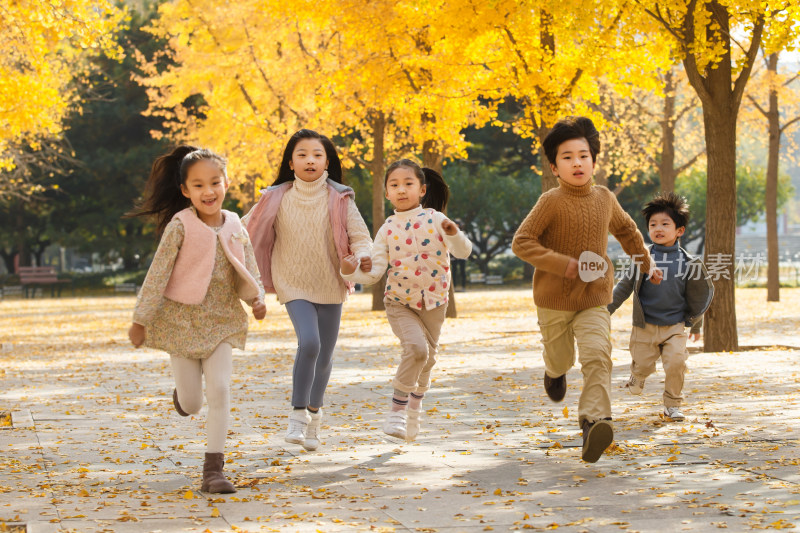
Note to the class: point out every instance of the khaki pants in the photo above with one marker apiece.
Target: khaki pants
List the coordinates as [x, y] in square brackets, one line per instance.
[418, 331]
[669, 344]
[592, 329]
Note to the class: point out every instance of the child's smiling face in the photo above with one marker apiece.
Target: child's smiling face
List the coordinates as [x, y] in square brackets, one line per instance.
[574, 163]
[662, 230]
[205, 185]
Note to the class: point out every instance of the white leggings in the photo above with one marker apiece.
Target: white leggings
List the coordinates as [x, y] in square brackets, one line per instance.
[189, 382]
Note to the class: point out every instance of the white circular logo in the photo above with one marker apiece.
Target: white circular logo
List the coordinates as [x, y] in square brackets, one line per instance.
[591, 266]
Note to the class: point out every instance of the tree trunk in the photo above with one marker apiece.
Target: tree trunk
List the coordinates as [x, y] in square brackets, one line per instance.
[720, 132]
[666, 165]
[549, 180]
[771, 193]
[23, 250]
[378, 168]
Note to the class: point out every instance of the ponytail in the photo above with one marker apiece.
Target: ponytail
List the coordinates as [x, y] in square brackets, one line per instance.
[163, 197]
[437, 192]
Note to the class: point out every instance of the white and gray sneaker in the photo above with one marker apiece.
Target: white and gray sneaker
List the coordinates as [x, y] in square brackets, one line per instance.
[298, 424]
[413, 423]
[674, 413]
[635, 384]
[395, 424]
[312, 431]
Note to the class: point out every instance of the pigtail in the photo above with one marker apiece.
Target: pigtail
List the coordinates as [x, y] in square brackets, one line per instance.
[437, 192]
[162, 193]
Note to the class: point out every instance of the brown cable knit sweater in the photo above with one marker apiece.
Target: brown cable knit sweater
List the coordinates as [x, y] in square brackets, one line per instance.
[565, 222]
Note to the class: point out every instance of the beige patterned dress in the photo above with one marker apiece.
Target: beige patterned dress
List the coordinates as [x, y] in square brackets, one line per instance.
[192, 331]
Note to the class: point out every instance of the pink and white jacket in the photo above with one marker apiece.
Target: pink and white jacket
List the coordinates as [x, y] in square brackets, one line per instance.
[417, 252]
[260, 223]
[191, 274]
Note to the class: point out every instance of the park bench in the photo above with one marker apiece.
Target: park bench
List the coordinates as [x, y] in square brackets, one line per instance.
[477, 277]
[31, 278]
[126, 287]
[494, 279]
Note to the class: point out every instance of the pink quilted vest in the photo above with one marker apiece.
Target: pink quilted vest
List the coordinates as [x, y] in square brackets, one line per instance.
[191, 275]
[260, 224]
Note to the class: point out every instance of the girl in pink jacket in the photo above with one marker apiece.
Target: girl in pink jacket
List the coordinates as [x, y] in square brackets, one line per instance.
[302, 227]
[189, 303]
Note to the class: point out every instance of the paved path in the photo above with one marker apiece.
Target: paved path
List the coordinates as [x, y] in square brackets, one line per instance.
[96, 446]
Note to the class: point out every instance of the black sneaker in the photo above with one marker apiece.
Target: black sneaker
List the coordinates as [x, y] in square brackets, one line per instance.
[555, 388]
[597, 437]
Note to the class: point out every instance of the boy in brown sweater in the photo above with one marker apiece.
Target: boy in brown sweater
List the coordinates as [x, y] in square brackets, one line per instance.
[565, 237]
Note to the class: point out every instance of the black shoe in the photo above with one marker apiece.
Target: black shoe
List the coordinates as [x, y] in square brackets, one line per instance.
[556, 388]
[176, 404]
[597, 437]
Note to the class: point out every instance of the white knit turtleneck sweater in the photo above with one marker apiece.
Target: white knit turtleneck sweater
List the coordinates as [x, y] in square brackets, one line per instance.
[305, 265]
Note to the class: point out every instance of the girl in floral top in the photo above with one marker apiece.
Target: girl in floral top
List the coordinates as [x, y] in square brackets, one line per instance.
[415, 243]
[189, 303]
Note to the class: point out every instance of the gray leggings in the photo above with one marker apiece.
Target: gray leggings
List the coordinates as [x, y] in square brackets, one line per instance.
[317, 328]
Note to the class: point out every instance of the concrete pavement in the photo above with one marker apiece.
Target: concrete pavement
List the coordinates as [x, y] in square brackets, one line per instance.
[96, 446]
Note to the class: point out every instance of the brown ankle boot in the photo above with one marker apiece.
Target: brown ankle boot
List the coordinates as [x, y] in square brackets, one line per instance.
[213, 479]
[176, 404]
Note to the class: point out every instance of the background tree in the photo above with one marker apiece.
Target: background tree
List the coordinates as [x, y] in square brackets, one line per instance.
[708, 35]
[775, 100]
[45, 48]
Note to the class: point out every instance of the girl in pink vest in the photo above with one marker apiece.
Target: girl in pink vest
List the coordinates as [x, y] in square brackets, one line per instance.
[302, 227]
[415, 243]
[189, 302]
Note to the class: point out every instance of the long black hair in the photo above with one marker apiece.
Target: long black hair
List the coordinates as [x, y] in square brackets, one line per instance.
[163, 197]
[437, 193]
[285, 172]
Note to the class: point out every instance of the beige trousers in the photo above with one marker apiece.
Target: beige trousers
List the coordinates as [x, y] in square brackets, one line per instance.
[418, 331]
[592, 330]
[669, 344]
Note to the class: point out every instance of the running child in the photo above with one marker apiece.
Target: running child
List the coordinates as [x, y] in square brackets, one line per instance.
[415, 243]
[189, 304]
[302, 227]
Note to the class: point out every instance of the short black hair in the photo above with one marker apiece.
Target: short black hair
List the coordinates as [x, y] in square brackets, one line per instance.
[674, 205]
[569, 128]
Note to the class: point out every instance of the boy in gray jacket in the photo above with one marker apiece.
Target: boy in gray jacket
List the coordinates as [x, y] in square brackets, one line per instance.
[662, 312]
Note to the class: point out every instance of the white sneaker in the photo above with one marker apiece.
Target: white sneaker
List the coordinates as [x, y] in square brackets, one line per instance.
[298, 423]
[635, 384]
[412, 423]
[312, 431]
[395, 424]
[674, 413]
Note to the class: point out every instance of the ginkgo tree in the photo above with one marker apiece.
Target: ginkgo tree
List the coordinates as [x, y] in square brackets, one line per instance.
[717, 41]
[548, 57]
[46, 47]
[773, 107]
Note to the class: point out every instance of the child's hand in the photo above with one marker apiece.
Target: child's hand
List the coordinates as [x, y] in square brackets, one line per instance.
[572, 269]
[366, 264]
[695, 336]
[349, 264]
[259, 309]
[449, 227]
[656, 275]
[136, 334]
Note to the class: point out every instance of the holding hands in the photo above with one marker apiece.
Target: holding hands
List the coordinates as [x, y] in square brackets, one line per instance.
[350, 263]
